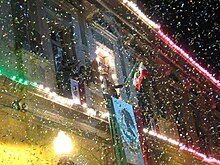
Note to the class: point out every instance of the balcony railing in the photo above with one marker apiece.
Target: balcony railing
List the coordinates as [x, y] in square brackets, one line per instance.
[37, 69]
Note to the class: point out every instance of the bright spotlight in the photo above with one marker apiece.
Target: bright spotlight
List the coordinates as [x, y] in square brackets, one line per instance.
[62, 143]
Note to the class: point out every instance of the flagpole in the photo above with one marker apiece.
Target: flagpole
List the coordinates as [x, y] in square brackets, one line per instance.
[132, 72]
[115, 132]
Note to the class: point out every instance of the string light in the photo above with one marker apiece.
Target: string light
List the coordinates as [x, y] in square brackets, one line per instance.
[46, 93]
[52, 94]
[40, 86]
[84, 105]
[100, 68]
[102, 86]
[182, 147]
[102, 52]
[4, 71]
[105, 115]
[13, 78]
[47, 89]
[91, 112]
[189, 59]
[133, 8]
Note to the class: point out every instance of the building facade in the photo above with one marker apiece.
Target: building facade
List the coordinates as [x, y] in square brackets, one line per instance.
[46, 43]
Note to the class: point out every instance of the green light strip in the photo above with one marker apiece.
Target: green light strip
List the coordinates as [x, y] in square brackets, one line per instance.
[14, 77]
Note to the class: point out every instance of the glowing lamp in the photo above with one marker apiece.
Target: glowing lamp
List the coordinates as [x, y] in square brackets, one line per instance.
[62, 143]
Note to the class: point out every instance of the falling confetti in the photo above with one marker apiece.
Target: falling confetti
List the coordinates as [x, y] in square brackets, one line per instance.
[192, 24]
[60, 60]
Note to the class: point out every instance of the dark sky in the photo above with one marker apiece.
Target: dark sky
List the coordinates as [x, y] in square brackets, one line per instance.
[192, 24]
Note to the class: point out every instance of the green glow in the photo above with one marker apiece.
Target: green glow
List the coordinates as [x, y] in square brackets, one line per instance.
[34, 84]
[20, 81]
[13, 75]
[25, 82]
[13, 78]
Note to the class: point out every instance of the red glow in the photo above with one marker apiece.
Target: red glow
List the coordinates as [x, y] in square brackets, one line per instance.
[203, 156]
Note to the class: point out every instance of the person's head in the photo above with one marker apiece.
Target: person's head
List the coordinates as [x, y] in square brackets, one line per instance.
[82, 68]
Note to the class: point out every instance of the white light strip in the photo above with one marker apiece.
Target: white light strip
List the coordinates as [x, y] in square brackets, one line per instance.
[134, 8]
[182, 147]
[45, 93]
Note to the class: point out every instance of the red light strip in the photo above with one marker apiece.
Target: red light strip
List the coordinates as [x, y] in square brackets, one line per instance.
[134, 8]
[202, 156]
[183, 147]
[189, 59]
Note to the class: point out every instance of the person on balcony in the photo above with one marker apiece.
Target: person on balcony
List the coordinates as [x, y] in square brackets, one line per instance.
[82, 79]
[63, 76]
[111, 89]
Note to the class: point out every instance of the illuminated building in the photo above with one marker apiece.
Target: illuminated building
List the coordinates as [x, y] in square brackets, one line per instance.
[45, 42]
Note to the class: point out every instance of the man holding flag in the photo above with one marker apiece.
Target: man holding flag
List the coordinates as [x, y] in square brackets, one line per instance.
[140, 75]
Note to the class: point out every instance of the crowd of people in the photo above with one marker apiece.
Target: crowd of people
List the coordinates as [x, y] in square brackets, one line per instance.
[89, 76]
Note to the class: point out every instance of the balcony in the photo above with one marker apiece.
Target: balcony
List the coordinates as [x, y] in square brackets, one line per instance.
[37, 69]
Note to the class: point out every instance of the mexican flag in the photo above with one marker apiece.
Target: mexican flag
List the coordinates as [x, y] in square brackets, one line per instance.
[139, 75]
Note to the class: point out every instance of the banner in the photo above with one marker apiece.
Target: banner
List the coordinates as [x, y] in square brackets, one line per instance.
[147, 156]
[75, 90]
[124, 124]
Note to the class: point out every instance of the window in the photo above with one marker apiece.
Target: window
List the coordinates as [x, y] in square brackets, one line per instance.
[56, 40]
[103, 73]
[106, 64]
[35, 42]
[20, 12]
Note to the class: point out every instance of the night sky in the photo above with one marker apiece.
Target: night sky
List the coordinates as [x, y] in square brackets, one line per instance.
[192, 24]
